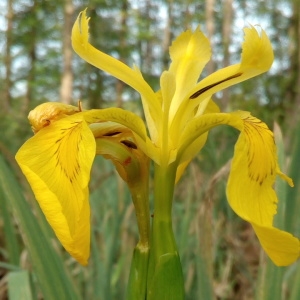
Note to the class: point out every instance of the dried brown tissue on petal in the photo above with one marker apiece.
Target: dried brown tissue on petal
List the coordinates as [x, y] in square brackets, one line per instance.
[201, 91]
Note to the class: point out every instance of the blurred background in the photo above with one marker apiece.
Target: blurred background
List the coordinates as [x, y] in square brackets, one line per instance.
[220, 254]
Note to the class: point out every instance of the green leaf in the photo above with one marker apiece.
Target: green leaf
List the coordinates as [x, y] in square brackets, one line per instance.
[54, 281]
[19, 285]
[11, 242]
[167, 279]
[293, 205]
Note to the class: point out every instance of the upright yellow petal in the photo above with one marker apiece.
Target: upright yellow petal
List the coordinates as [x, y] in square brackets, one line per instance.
[189, 54]
[189, 153]
[206, 107]
[250, 190]
[257, 58]
[57, 163]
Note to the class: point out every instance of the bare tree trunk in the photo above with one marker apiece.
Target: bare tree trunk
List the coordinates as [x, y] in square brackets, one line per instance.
[210, 27]
[96, 77]
[123, 45]
[226, 39]
[32, 59]
[67, 75]
[7, 96]
[188, 14]
[167, 35]
[148, 59]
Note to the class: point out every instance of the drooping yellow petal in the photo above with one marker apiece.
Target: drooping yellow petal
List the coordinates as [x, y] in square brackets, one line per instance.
[253, 173]
[250, 190]
[57, 163]
[282, 247]
[119, 70]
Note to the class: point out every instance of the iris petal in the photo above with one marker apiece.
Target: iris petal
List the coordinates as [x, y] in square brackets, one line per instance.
[131, 121]
[119, 70]
[257, 58]
[117, 115]
[209, 107]
[250, 190]
[254, 169]
[57, 163]
[282, 247]
[201, 124]
[189, 54]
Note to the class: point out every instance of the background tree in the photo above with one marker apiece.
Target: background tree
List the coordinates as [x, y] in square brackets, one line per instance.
[66, 85]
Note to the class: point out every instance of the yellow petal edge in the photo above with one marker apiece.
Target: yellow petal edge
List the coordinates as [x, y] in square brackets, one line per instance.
[57, 163]
[250, 190]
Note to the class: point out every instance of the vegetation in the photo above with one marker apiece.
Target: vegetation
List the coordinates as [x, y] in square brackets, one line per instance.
[220, 255]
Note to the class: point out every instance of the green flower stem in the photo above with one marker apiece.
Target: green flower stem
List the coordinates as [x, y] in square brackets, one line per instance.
[140, 199]
[165, 279]
[163, 238]
[137, 283]
[133, 166]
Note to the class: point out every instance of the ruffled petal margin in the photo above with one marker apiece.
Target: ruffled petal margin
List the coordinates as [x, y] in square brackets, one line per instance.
[254, 169]
[250, 190]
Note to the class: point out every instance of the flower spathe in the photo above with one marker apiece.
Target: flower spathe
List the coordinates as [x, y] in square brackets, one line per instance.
[178, 118]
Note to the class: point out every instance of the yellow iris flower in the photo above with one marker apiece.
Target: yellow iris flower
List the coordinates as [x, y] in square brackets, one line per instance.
[57, 160]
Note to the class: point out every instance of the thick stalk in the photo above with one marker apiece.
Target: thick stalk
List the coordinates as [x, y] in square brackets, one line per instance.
[137, 283]
[163, 238]
[139, 189]
[165, 279]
